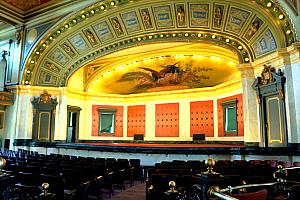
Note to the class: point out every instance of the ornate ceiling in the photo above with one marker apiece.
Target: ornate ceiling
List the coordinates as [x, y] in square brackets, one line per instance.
[26, 4]
[145, 68]
[246, 29]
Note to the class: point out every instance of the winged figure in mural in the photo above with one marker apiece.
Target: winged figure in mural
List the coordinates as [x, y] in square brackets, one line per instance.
[168, 76]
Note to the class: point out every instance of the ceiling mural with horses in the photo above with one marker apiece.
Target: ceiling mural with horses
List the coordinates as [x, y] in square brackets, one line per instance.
[249, 30]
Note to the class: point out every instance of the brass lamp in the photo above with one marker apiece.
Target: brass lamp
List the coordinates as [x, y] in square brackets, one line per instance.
[2, 164]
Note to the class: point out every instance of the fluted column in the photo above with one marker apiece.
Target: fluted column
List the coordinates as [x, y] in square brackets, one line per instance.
[250, 107]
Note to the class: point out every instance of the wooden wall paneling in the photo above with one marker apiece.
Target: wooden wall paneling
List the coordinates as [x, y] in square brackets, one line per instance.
[136, 120]
[202, 118]
[166, 120]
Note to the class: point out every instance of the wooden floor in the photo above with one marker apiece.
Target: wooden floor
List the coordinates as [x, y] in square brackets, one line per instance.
[136, 192]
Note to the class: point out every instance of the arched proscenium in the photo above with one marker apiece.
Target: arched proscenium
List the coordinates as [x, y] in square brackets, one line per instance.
[274, 17]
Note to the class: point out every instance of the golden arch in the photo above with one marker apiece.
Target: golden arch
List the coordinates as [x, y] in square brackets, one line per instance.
[110, 26]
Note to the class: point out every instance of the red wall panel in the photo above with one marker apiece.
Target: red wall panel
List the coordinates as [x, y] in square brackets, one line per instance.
[136, 120]
[118, 122]
[240, 116]
[202, 118]
[166, 120]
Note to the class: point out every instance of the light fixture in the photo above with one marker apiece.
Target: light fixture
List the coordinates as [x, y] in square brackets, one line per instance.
[174, 34]
[32, 61]
[102, 7]
[186, 34]
[37, 53]
[58, 31]
[161, 35]
[26, 82]
[74, 20]
[199, 35]
[246, 59]
[92, 12]
[28, 71]
[281, 16]
[50, 38]
[139, 39]
[227, 40]
[112, 3]
[269, 4]
[44, 44]
[66, 25]
[240, 47]
[83, 16]
[288, 32]
[213, 36]
[150, 37]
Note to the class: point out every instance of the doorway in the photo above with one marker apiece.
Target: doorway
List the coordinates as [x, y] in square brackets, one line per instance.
[73, 124]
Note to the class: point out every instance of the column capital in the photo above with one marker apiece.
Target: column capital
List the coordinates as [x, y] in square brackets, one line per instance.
[290, 54]
[246, 69]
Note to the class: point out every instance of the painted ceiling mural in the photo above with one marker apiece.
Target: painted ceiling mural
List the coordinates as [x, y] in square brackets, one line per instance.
[248, 31]
[163, 73]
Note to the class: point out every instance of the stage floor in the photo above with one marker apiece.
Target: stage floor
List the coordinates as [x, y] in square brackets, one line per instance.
[163, 145]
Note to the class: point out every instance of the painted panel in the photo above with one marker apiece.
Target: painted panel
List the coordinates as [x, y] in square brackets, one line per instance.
[131, 22]
[136, 120]
[166, 120]
[253, 28]
[199, 14]
[147, 18]
[103, 31]
[218, 16]
[118, 121]
[90, 36]
[180, 11]
[202, 118]
[264, 44]
[115, 22]
[33, 34]
[51, 67]
[68, 49]
[59, 57]
[240, 116]
[236, 20]
[45, 78]
[163, 16]
[79, 43]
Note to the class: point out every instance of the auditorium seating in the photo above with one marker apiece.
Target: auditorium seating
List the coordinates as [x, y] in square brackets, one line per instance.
[69, 175]
[234, 173]
[94, 177]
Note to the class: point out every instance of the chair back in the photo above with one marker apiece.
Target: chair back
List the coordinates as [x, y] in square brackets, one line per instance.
[259, 195]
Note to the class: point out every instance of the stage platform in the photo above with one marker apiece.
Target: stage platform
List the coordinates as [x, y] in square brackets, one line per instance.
[151, 152]
[179, 147]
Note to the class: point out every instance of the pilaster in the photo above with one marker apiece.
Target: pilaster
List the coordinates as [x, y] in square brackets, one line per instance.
[250, 108]
[291, 67]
